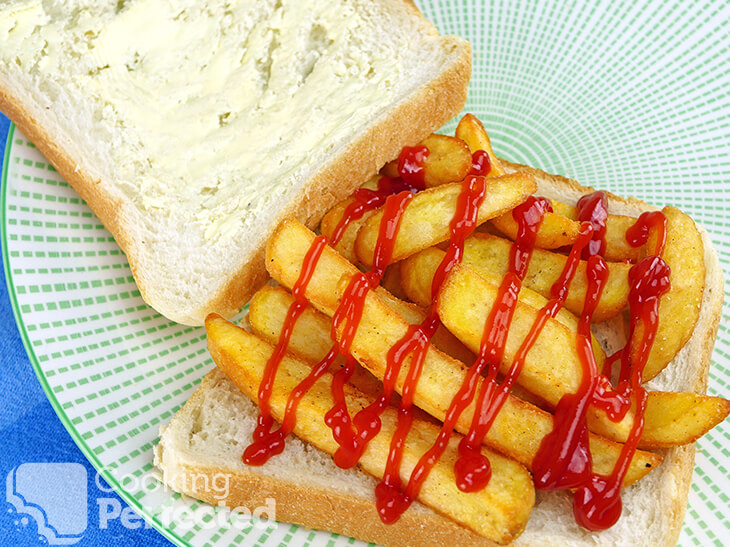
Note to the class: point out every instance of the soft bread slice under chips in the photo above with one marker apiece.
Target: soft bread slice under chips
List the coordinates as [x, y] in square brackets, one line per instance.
[208, 435]
[192, 129]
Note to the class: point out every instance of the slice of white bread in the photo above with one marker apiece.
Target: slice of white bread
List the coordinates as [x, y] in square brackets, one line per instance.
[209, 434]
[192, 128]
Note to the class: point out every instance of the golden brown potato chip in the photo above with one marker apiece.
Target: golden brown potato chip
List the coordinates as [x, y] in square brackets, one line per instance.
[679, 308]
[489, 255]
[498, 512]
[670, 419]
[418, 271]
[330, 222]
[464, 305]
[472, 132]
[448, 160]
[560, 228]
[427, 217]
[310, 339]
[556, 231]
[519, 427]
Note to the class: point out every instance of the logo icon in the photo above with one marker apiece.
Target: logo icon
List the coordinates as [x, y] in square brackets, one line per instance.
[52, 494]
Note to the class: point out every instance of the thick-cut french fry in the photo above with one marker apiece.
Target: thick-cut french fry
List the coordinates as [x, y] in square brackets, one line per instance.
[267, 312]
[617, 248]
[417, 276]
[472, 132]
[310, 339]
[489, 255]
[448, 160]
[519, 427]
[498, 512]
[346, 245]
[671, 419]
[563, 209]
[285, 254]
[464, 304]
[555, 231]
[679, 308]
[426, 219]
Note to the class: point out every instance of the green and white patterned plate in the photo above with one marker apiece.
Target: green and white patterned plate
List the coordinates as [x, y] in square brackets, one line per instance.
[627, 96]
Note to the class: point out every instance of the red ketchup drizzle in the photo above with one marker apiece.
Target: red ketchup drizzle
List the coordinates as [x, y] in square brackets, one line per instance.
[492, 396]
[411, 179]
[563, 459]
[410, 164]
[267, 443]
[480, 163]
[353, 434]
[472, 468]
[366, 200]
[597, 505]
[390, 501]
[593, 208]
[638, 234]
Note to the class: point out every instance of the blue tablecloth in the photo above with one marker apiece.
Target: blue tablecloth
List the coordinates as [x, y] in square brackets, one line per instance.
[31, 432]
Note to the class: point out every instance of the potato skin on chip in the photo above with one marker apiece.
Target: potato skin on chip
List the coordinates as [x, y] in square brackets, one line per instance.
[679, 308]
[427, 217]
[472, 132]
[489, 256]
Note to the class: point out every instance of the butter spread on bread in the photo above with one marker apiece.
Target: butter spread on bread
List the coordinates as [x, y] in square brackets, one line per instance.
[192, 128]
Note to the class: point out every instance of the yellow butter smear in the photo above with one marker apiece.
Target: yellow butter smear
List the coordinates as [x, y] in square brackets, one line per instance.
[213, 107]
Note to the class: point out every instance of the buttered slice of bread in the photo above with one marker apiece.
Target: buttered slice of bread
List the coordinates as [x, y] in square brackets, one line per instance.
[192, 128]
